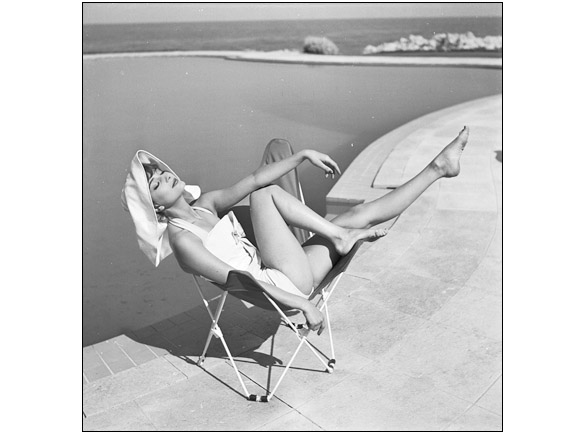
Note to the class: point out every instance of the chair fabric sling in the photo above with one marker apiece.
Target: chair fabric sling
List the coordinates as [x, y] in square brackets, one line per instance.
[276, 150]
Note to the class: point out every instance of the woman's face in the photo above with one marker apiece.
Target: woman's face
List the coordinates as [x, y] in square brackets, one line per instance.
[165, 188]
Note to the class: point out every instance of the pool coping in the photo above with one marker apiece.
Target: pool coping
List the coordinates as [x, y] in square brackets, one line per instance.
[313, 59]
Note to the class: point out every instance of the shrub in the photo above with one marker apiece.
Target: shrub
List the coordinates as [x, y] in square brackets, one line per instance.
[319, 45]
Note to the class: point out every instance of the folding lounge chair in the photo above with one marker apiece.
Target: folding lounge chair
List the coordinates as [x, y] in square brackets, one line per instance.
[243, 286]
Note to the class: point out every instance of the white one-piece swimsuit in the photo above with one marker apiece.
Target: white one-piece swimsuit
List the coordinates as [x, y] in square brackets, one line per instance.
[227, 241]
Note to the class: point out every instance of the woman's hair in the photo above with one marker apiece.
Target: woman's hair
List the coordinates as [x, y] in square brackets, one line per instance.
[150, 169]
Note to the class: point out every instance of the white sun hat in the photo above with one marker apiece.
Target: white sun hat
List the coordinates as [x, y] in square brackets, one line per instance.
[150, 227]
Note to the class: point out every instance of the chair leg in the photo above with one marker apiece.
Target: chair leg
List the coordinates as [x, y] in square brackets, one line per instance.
[303, 340]
[328, 366]
[213, 327]
[216, 331]
[286, 369]
[332, 361]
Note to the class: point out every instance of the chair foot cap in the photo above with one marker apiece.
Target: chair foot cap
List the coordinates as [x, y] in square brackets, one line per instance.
[256, 398]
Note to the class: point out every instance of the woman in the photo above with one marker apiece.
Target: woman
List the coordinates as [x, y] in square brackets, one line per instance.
[210, 247]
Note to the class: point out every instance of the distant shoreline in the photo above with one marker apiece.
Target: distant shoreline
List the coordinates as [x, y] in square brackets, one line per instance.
[387, 59]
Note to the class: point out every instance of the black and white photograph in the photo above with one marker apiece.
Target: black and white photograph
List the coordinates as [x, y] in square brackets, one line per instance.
[292, 216]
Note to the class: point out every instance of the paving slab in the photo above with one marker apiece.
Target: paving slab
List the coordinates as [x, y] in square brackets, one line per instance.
[371, 328]
[402, 290]
[125, 417]
[462, 364]
[379, 256]
[379, 399]
[476, 419]
[93, 366]
[488, 275]
[472, 241]
[470, 220]
[453, 266]
[466, 201]
[203, 403]
[138, 352]
[293, 421]
[420, 212]
[113, 356]
[474, 310]
[126, 386]
[492, 399]
[348, 284]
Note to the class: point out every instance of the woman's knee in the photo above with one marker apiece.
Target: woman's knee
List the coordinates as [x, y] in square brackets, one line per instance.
[264, 192]
[302, 278]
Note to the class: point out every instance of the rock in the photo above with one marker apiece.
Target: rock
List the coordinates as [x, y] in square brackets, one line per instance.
[440, 42]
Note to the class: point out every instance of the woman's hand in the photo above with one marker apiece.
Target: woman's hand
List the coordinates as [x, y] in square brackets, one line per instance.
[323, 162]
[314, 318]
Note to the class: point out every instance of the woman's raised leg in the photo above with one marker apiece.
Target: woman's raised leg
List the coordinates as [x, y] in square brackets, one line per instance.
[446, 164]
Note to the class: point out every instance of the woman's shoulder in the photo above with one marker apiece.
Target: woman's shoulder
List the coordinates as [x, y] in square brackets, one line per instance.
[181, 240]
[204, 203]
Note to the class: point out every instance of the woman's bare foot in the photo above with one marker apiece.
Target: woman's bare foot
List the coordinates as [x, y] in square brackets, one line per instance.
[447, 162]
[347, 239]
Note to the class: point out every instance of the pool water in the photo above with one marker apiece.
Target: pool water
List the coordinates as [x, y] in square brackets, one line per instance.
[210, 119]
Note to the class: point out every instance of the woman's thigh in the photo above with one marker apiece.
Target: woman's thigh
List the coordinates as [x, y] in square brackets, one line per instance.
[277, 245]
[321, 254]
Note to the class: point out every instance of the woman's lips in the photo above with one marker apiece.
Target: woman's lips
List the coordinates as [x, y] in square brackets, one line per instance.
[175, 182]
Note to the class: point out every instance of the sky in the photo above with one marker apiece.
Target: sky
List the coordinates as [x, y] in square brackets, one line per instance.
[99, 13]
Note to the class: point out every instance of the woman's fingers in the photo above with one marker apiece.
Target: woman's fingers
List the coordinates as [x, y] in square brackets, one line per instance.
[320, 331]
[331, 167]
[314, 320]
[320, 326]
[326, 163]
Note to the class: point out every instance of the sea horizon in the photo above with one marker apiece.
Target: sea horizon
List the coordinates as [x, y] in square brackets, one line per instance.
[350, 35]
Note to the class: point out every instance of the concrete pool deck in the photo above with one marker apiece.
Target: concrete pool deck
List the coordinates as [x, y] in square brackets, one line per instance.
[417, 318]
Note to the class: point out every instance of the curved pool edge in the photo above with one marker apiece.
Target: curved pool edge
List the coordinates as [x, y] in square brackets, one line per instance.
[313, 59]
[357, 184]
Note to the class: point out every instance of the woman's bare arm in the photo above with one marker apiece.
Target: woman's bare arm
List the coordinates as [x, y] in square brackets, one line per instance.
[194, 258]
[224, 199]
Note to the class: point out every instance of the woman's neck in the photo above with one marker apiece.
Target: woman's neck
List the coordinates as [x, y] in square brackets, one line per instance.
[181, 210]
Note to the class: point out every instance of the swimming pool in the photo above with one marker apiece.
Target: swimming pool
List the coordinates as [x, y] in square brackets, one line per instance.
[210, 120]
